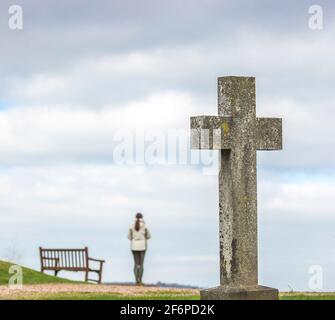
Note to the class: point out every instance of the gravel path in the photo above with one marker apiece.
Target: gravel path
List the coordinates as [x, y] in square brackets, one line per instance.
[41, 289]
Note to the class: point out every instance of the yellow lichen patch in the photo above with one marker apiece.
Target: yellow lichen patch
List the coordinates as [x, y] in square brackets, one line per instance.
[225, 127]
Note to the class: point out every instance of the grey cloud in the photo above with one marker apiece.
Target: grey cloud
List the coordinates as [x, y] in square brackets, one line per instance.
[57, 33]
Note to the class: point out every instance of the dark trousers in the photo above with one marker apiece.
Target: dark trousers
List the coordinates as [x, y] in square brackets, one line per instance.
[138, 265]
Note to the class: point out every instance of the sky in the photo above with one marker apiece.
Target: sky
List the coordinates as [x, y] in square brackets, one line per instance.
[80, 75]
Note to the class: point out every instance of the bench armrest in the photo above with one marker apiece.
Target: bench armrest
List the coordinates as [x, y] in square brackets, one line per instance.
[97, 260]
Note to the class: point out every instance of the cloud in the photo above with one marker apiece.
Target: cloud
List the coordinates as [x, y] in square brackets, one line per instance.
[294, 199]
[61, 133]
[104, 77]
[82, 189]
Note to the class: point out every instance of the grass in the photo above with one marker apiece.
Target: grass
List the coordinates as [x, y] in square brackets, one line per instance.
[307, 296]
[30, 276]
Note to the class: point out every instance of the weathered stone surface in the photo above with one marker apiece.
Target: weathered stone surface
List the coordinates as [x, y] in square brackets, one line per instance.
[238, 178]
[210, 132]
[269, 134]
[242, 293]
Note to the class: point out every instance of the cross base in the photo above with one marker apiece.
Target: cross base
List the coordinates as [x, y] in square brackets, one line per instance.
[239, 293]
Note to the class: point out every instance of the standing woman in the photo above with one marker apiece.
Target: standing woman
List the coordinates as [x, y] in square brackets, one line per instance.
[138, 235]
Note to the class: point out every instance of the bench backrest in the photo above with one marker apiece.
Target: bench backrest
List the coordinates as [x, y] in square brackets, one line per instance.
[70, 259]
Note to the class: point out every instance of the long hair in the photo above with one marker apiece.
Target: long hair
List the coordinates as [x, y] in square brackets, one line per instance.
[139, 216]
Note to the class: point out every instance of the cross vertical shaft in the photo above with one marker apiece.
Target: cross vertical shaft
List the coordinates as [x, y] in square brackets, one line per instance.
[237, 185]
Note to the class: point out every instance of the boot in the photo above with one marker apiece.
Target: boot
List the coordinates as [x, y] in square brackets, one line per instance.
[141, 270]
[137, 274]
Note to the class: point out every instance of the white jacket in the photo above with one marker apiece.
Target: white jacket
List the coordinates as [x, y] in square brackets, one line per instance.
[139, 238]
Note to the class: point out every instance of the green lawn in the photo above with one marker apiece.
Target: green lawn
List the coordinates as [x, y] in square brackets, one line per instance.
[307, 296]
[29, 276]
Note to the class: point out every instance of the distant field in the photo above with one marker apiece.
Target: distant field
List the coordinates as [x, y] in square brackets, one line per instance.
[307, 296]
[39, 286]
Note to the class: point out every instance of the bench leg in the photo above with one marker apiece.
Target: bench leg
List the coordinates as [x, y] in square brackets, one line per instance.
[100, 272]
[56, 272]
[86, 275]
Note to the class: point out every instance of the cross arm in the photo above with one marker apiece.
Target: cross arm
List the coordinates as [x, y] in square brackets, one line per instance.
[269, 134]
[211, 132]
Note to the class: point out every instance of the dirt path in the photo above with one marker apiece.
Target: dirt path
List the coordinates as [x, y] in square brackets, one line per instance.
[47, 289]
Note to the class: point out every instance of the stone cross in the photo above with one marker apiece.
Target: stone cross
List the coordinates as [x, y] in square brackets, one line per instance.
[237, 133]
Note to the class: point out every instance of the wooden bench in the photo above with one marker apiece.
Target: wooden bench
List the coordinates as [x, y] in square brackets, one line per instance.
[69, 260]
